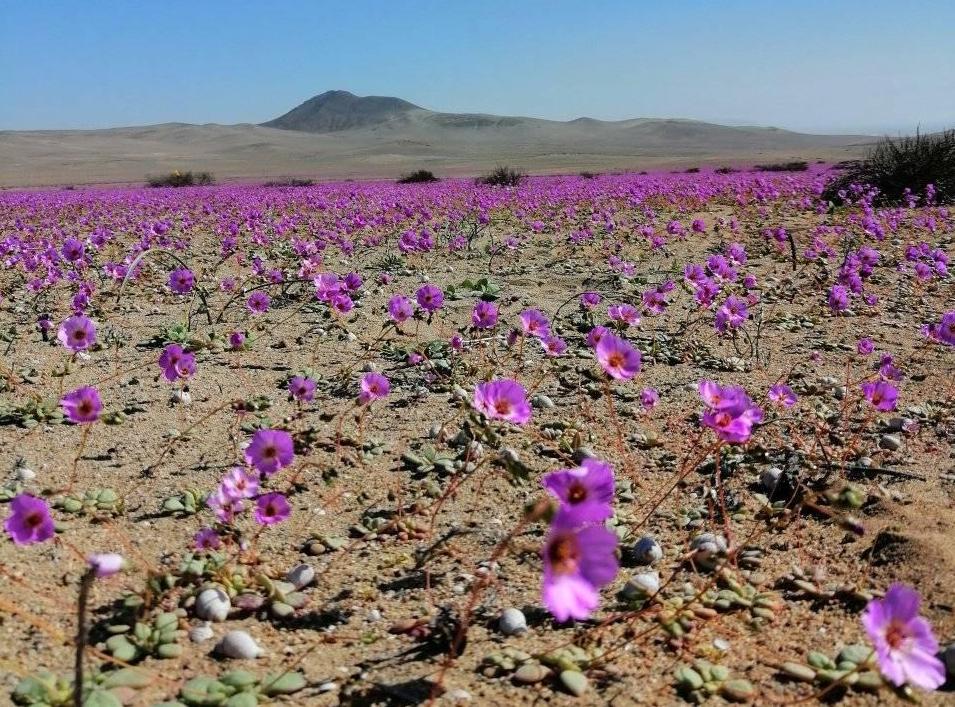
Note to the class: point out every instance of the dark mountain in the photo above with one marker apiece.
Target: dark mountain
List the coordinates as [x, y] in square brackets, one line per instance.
[333, 111]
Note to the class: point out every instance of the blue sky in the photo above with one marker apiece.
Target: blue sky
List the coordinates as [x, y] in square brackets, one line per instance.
[813, 65]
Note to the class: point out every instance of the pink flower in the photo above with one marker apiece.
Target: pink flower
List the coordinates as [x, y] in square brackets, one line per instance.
[239, 483]
[484, 315]
[595, 335]
[618, 358]
[29, 520]
[77, 333]
[782, 395]
[731, 314]
[207, 539]
[732, 414]
[624, 313]
[589, 300]
[881, 394]
[649, 398]
[503, 400]
[534, 323]
[554, 345]
[82, 406]
[271, 508]
[105, 564]
[181, 281]
[430, 298]
[301, 388]
[176, 363]
[270, 450]
[400, 309]
[903, 640]
[374, 386]
[585, 493]
[258, 303]
[236, 340]
[577, 563]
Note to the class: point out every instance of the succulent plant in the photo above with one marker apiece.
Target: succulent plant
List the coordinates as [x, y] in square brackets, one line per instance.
[239, 688]
[189, 502]
[100, 689]
[159, 638]
[95, 502]
[703, 680]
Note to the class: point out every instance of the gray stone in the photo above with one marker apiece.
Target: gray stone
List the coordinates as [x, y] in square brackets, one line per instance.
[512, 622]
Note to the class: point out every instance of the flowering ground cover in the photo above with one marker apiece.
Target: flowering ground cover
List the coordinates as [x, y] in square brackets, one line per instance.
[626, 439]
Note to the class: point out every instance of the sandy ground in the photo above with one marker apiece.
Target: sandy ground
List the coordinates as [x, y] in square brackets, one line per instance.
[344, 639]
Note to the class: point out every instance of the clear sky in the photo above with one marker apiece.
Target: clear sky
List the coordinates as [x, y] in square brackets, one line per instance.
[813, 65]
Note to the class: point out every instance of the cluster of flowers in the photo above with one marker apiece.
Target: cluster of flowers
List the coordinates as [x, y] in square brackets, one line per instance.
[730, 411]
[580, 553]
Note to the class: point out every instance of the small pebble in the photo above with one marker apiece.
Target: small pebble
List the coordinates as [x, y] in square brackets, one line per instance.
[200, 633]
[647, 551]
[301, 576]
[890, 442]
[512, 622]
[238, 644]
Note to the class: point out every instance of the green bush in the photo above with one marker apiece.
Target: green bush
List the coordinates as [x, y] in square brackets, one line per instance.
[421, 176]
[502, 177]
[795, 166]
[181, 179]
[894, 165]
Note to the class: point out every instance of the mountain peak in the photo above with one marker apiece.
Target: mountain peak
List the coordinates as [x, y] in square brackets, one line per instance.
[337, 110]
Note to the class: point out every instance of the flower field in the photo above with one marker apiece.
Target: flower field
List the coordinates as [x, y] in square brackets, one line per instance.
[655, 438]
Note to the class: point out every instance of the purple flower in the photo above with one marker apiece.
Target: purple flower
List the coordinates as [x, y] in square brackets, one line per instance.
[236, 340]
[838, 298]
[585, 493]
[82, 406]
[73, 250]
[503, 400]
[105, 564]
[239, 484]
[258, 302]
[864, 347]
[881, 394]
[400, 309]
[181, 281]
[176, 363]
[731, 314]
[430, 298]
[904, 644]
[945, 331]
[649, 398]
[484, 315]
[624, 313]
[617, 357]
[589, 300]
[577, 563]
[29, 520]
[77, 333]
[374, 386]
[782, 395]
[301, 388]
[270, 450]
[554, 345]
[207, 539]
[731, 413]
[271, 508]
[595, 335]
[534, 323]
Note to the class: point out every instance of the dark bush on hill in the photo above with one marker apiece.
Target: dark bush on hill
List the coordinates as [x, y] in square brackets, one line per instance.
[894, 165]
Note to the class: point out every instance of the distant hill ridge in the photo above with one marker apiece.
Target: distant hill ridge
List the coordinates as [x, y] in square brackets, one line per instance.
[337, 134]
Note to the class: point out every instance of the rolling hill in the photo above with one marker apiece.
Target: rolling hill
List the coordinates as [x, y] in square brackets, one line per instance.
[339, 135]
